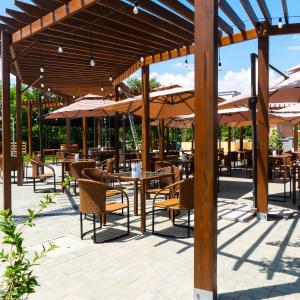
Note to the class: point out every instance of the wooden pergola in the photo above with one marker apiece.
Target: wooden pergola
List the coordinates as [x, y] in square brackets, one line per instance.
[120, 42]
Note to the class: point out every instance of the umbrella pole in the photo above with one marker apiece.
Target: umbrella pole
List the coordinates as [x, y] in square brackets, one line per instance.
[252, 103]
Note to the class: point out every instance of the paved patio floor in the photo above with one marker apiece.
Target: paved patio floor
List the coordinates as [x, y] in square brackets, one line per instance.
[255, 260]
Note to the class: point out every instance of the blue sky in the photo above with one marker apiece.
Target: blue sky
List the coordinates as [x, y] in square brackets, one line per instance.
[284, 51]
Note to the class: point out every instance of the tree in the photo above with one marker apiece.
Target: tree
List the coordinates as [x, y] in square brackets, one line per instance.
[136, 83]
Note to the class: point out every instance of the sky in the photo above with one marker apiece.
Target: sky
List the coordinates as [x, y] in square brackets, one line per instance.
[235, 59]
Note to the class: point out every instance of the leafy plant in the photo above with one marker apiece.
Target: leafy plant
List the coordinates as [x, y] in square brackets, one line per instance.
[18, 280]
[275, 140]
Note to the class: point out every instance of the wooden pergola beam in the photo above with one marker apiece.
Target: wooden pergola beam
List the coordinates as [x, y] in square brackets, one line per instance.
[225, 26]
[265, 11]
[285, 11]
[263, 128]
[205, 179]
[6, 122]
[250, 12]
[49, 19]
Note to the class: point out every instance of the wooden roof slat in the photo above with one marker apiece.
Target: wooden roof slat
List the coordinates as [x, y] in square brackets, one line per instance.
[265, 11]
[145, 19]
[250, 12]
[285, 11]
[232, 15]
[5, 28]
[180, 9]
[31, 10]
[11, 22]
[20, 16]
[225, 26]
[46, 4]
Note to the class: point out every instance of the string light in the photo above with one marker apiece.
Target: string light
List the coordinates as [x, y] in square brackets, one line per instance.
[73, 97]
[119, 89]
[42, 69]
[92, 60]
[41, 76]
[219, 64]
[49, 89]
[280, 24]
[110, 94]
[110, 78]
[186, 63]
[102, 89]
[135, 8]
[42, 84]
[60, 49]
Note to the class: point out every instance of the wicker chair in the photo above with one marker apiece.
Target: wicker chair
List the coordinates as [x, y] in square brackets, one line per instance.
[185, 201]
[93, 201]
[107, 165]
[76, 170]
[38, 169]
[165, 181]
[161, 164]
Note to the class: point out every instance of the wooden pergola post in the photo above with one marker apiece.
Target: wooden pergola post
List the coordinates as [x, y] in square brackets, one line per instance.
[229, 139]
[117, 142]
[19, 132]
[84, 137]
[29, 122]
[68, 134]
[242, 131]
[99, 131]
[296, 142]
[161, 139]
[6, 134]
[41, 127]
[263, 128]
[206, 93]
[146, 119]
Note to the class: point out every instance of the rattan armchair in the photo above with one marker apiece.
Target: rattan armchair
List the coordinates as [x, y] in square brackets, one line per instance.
[38, 169]
[93, 201]
[161, 164]
[107, 165]
[184, 201]
[76, 170]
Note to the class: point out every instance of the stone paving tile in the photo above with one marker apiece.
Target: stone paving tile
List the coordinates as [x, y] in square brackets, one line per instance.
[255, 260]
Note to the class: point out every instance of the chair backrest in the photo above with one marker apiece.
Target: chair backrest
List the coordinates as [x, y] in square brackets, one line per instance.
[186, 194]
[162, 164]
[93, 174]
[92, 196]
[177, 173]
[35, 168]
[77, 167]
[165, 181]
[110, 165]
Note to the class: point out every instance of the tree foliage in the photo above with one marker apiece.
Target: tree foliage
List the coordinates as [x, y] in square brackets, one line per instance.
[136, 83]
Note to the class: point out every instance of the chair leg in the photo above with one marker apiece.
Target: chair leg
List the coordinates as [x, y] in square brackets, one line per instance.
[189, 220]
[34, 185]
[54, 184]
[122, 203]
[74, 188]
[153, 220]
[81, 227]
[94, 227]
[128, 221]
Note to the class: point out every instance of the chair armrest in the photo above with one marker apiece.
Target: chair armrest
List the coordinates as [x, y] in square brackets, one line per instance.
[49, 167]
[173, 186]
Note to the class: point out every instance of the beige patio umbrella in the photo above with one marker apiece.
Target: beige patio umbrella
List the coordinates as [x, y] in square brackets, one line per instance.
[282, 90]
[83, 107]
[181, 122]
[164, 104]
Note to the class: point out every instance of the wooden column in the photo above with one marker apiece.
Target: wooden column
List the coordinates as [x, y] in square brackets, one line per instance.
[263, 128]
[41, 127]
[84, 137]
[161, 141]
[146, 119]
[19, 132]
[29, 122]
[229, 139]
[117, 142]
[68, 134]
[206, 93]
[295, 137]
[242, 131]
[99, 131]
[6, 146]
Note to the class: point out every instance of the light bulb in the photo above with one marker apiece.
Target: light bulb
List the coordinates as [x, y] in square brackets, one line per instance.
[41, 76]
[186, 63]
[110, 78]
[119, 89]
[280, 24]
[42, 70]
[60, 49]
[110, 94]
[135, 9]
[73, 97]
[42, 85]
[102, 89]
[92, 62]
[220, 66]
[42, 97]
[49, 89]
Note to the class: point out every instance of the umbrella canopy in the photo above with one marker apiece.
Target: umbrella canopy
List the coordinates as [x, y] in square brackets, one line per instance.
[181, 122]
[282, 90]
[164, 104]
[82, 108]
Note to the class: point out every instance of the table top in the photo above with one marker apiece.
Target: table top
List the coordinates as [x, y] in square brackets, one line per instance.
[68, 160]
[179, 160]
[144, 175]
[280, 155]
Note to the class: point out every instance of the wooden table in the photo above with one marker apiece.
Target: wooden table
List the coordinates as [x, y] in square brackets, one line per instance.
[142, 179]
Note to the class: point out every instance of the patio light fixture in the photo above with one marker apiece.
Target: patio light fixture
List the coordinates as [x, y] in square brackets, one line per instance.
[135, 8]
[280, 24]
[60, 49]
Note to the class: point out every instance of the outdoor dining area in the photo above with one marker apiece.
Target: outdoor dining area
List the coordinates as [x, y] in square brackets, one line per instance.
[147, 166]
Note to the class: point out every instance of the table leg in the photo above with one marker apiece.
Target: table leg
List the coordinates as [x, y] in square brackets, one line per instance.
[143, 206]
[135, 198]
[62, 176]
[294, 185]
